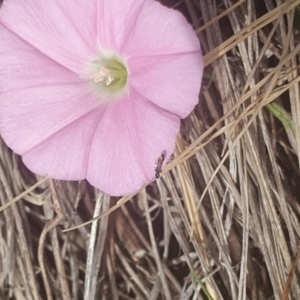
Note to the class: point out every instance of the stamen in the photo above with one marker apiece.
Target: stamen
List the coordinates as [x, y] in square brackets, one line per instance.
[109, 80]
[108, 77]
[101, 75]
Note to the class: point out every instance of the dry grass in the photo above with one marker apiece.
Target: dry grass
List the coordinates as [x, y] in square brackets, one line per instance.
[222, 222]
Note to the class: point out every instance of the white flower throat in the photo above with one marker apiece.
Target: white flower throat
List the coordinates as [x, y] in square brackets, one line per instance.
[108, 77]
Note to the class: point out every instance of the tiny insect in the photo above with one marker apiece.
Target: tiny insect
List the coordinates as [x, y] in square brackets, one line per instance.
[159, 162]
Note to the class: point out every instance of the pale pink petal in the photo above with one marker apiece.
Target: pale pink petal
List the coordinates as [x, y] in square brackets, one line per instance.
[159, 30]
[22, 66]
[63, 30]
[51, 117]
[64, 155]
[29, 116]
[38, 96]
[116, 20]
[143, 28]
[131, 135]
[172, 82]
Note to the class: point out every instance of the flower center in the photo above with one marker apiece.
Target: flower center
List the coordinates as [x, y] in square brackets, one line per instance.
[112, 73]
[109, 77]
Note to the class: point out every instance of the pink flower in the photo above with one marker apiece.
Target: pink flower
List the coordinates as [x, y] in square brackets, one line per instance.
[95, 89]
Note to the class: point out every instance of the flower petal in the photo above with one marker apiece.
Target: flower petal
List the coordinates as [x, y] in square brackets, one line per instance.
[159, 30]
[63, 30]
[64, 155]
[143, 28]
[122, 159]
[22, 66]
[49, 115]
[28, 117]
[171, 82]
[38, 96]
[115, 22]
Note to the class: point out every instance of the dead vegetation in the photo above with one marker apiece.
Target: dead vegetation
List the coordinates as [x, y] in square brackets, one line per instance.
[222, 222]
